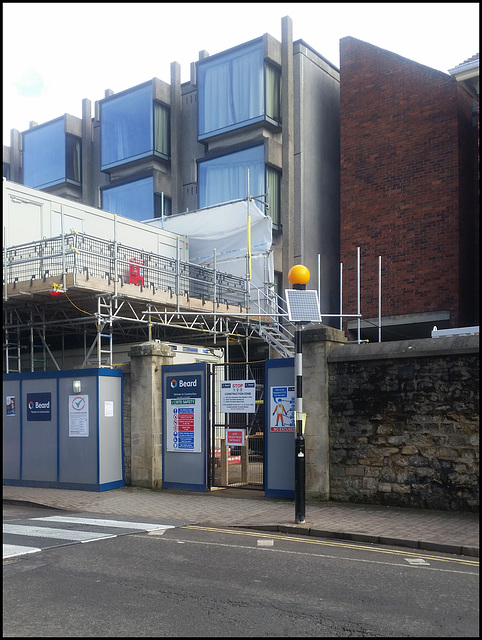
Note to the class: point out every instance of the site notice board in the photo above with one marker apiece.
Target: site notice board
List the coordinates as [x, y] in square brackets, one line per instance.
[184, 420]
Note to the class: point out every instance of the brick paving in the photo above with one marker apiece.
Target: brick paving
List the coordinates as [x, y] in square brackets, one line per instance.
[424, 529]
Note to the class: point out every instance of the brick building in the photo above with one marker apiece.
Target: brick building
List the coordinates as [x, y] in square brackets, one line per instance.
[409, 199]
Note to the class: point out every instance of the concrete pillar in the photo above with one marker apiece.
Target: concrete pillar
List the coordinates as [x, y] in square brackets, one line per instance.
[87, 157]
[16, 167]
[317, 344]
[146, 412]
[287, 178]
[176, 137]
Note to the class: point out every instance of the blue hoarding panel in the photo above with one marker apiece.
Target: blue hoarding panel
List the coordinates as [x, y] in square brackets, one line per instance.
[279, 472]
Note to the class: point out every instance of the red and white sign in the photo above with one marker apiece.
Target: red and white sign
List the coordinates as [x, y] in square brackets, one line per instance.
[235, 437]
[238, 396]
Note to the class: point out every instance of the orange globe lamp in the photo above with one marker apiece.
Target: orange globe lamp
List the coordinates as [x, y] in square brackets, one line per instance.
[298, 275]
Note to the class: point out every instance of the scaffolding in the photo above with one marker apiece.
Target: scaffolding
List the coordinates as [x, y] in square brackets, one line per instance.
[76, 290]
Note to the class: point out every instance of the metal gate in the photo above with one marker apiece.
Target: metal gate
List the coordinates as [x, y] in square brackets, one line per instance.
[237, 466]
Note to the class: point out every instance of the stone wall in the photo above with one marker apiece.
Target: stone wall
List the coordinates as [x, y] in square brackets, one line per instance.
[393, 423]
[126, 425]
[404, 423]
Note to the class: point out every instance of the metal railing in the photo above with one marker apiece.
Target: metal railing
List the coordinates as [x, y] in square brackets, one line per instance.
[79, 253]
[92, 257]
[273, 324]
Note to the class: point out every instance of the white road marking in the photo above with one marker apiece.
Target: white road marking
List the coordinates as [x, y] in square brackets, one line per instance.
[71, 535]
[12, 550]
[419, 561]
[58, 534]
[265, 543]
[124, 524]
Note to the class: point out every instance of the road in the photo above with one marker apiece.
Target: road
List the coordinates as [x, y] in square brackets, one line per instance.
[206, 582]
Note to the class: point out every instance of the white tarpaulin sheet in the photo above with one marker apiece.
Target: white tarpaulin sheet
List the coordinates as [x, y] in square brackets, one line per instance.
[223, 230]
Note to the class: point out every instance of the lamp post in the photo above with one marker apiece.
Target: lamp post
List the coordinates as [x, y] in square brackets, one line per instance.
[298, 277]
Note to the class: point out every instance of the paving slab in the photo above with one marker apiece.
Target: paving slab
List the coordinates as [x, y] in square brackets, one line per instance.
[426, 529]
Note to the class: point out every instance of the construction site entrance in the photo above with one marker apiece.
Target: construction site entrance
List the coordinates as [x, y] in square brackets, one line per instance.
[237, 446]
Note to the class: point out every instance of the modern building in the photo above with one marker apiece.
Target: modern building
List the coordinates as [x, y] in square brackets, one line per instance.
[409, 213]
[260, 119]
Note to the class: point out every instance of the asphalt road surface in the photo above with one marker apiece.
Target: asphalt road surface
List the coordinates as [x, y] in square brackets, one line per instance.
[87, 575]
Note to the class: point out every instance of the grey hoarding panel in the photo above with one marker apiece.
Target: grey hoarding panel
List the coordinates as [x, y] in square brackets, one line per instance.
[39, 430]
[111, 464]
[11, 429]
[78, 446]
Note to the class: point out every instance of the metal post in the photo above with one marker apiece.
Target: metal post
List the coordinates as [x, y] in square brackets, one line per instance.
[358, 291]
[319, 282]
[5, 264]
[178, 283]
[62, 244]
[298, 277]
[341, 296]
[299, 439]
[379, 298]
[116, 264]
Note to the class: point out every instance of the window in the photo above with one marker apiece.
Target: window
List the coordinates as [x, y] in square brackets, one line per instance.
[133, 126]
[162, 128]
[135, 200]
[278, 284]
[237, 89]
[273, 189]
[72, 158]
[225, 178]
[273, 93]
[162, 205]
[50, 156]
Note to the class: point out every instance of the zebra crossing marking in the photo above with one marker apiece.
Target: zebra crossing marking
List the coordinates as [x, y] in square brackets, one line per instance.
[56, 534]
[124, 524]
[12, 550]
[69, 534]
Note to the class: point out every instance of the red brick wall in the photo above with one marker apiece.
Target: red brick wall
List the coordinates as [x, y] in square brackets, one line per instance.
[400, 182]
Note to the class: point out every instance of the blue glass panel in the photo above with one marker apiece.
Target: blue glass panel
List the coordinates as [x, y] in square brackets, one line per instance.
[126, 127]
[226, 178]
[44, 155]
[134, 199]
[231, 90]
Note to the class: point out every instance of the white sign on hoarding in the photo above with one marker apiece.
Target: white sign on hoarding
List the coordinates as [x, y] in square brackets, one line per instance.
[78, 416]
[282, 409]
[238, 396]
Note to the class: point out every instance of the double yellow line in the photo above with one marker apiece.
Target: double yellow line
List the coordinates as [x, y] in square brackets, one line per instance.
[463, 560]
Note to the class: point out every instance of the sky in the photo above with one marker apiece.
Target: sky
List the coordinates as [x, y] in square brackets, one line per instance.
[57, 54]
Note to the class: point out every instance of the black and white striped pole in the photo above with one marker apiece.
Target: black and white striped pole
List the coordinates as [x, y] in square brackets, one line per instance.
[298, 277]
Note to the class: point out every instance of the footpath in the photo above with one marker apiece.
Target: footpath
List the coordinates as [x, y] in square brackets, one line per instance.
[423, 529]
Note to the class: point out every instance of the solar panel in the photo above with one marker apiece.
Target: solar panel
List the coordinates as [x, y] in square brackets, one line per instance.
[303, 305]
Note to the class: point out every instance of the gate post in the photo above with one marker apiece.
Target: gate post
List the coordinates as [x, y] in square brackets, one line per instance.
[224, 463]
[146, 412]
[319, 341]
